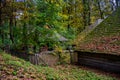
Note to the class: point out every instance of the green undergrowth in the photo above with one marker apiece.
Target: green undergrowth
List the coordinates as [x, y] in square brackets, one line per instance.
[18, 69]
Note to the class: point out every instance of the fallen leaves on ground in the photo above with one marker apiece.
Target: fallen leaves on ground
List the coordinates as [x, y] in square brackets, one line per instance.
[109, 44]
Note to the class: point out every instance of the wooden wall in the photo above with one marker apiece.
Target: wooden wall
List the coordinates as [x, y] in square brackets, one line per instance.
[106, 62]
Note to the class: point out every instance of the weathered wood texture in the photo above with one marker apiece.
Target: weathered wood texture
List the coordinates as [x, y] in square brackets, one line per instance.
[44, 58]
[106, 62]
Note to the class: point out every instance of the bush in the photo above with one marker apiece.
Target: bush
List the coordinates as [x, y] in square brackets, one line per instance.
[63, 56]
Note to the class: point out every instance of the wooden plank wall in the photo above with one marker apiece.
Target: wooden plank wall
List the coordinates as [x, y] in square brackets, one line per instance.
[106, 62]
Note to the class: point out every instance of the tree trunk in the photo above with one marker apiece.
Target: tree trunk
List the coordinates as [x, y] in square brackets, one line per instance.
[25, 38]
[11, 24]
[116, 3]
[0, 17]
[68, 25]
[11, 30]
[101, 13]
[84, 14]
[0, 12]
[1, 23]
[89, 13]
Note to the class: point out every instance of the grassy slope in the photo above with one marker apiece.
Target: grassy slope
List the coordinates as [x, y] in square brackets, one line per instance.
[12, 68]
[105, 37]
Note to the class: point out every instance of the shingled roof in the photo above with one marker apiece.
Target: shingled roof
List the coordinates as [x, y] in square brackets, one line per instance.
[105, 37]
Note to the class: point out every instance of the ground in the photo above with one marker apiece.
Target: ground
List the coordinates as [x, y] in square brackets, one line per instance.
[13, 68]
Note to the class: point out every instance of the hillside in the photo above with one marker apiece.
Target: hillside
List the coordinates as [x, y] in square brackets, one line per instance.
[13, 68]
[105, 37]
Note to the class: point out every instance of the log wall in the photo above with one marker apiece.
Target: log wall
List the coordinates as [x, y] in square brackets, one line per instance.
[106, 62]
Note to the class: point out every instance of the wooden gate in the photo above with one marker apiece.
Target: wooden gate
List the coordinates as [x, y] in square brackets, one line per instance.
[44, 58]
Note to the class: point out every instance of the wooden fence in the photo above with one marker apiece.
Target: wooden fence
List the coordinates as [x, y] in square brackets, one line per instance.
[44, 58]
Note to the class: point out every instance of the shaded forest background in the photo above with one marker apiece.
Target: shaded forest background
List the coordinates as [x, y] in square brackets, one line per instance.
[30, 25]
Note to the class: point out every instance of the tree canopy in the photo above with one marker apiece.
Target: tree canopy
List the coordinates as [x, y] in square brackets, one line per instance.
[34, 23]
